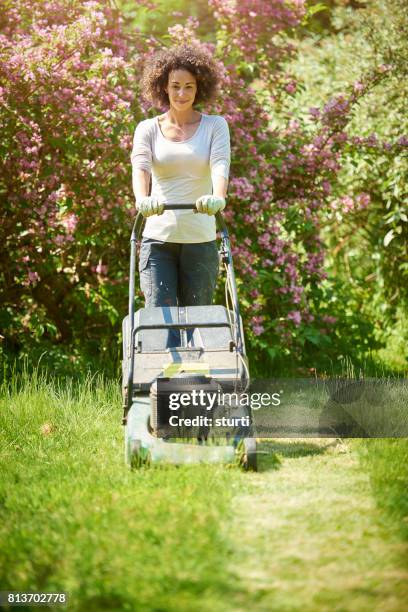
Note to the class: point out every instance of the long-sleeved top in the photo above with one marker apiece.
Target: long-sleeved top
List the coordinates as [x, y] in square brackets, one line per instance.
[181, 173]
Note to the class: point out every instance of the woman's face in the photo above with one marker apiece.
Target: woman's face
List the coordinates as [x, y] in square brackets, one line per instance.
[181, 89]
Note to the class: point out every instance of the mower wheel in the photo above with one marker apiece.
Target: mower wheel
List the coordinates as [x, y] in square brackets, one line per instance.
[247, 454]
[138, 455]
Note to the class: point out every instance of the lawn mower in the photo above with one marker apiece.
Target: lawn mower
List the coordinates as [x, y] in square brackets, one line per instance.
[211, 356]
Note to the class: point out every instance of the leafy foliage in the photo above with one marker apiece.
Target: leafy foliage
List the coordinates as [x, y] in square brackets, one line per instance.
[366, 231]
[305, 187]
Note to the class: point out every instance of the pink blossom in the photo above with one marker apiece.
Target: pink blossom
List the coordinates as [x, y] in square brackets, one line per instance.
[347, 204]
[358, 86]
[291, 87]
[59, 240]
[101, 269]
[363, 200]
[295, 316]
[70, 222]
[32, 278]
[326, 187]
[257, 326]
[242, 187]
[384, 67]
[41, 211]
[329, 319]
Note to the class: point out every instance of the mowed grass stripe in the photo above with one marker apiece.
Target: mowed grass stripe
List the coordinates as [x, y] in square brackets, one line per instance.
[312, 536]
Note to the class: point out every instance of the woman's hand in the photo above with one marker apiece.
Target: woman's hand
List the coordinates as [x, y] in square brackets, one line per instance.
[210, 204]
[149, 205]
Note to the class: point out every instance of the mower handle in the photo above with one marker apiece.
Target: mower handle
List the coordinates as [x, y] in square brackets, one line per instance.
[189, 206]
[140, 219]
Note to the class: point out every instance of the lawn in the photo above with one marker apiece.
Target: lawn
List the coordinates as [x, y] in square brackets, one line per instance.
[321, 518]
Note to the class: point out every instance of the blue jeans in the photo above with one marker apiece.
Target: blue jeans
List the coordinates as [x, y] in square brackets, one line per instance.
[178, 274]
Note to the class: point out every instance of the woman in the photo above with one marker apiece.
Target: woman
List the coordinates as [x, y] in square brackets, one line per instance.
[188, 155]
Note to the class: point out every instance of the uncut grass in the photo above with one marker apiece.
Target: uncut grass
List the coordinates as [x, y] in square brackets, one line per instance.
[386, 462]
[74, 518]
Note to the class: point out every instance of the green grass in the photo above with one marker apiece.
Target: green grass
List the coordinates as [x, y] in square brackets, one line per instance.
[311, 536]
[74, 518]
[386, 462]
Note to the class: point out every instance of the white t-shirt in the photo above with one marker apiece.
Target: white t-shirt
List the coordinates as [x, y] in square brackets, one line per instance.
[181, 173]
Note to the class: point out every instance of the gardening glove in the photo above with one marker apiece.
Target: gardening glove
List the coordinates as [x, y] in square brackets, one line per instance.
[210, 204]
[149, 205]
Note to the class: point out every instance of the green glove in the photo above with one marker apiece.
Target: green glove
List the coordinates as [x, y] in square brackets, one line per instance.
[149, 205]
[210, 204]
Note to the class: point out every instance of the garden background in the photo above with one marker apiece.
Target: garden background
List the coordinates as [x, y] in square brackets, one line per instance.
[314, 95]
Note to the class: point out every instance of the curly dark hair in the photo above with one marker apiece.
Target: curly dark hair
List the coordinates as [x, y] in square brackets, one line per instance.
[186, 57]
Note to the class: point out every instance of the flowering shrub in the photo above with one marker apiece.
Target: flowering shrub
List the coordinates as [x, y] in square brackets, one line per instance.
[69, 100]
[282, 190]
[366, 228]
[69, 97]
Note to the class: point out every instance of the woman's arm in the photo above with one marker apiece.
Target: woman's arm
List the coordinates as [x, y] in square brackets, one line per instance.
[220, 157]
[220, 186]
[141, 183]
[141, 159]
